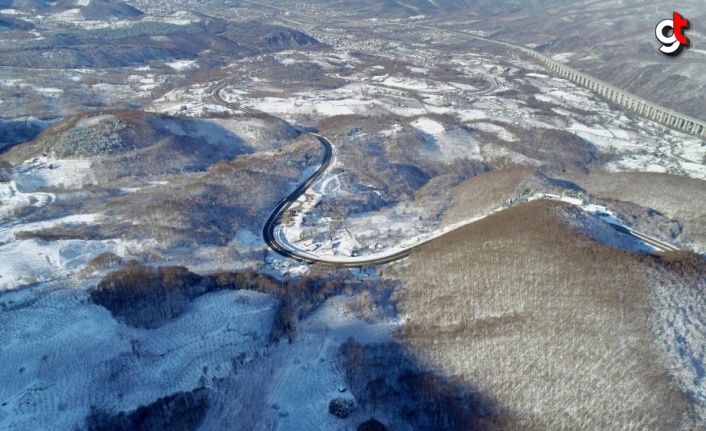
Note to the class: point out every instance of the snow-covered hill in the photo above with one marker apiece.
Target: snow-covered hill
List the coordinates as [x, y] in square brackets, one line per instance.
[69, 356]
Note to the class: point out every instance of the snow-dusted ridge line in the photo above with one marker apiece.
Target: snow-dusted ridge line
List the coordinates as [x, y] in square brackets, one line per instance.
[275, 238]
[646, 109]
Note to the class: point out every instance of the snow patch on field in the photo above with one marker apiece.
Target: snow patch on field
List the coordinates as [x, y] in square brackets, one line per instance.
[48, 91]
[410, 84]
[429, 126]
[420, 70]
[8, 233]
[465, 87]
[67, 15]
[273, 105]
[636, 164]
[14, 201]
[563, 57]
[472, 114]
[490, 151]
[65, 174]
[330, 109]
[34, 261]
[605, 137]
[596, 130]
[182, 65]
[93, 121]
[457, 144]
[501, 132]
[573, 97]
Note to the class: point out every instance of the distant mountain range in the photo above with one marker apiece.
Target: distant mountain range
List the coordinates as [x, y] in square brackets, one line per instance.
[143, 40]
[91, 9]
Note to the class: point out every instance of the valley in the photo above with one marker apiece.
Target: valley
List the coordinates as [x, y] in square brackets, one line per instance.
[345, 215]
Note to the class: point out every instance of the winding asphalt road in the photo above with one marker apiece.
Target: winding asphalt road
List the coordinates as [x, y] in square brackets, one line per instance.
[274, 236]
[272, 232]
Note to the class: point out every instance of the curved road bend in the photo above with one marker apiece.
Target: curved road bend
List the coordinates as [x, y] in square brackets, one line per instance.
[272, 231]
[276, 240]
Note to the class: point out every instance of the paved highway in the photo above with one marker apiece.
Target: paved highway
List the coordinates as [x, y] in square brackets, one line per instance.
[272, 231]
[274, 236]
[649, 240]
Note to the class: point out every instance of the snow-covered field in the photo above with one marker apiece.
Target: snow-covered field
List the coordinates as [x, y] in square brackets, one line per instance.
[31, 261]
[68, 355]
[182, 64]
[14, 201]
[48, 173]
[501, 132]
[311, 375]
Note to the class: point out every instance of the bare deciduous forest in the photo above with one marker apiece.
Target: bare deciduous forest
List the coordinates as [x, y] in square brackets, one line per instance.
[547, 321]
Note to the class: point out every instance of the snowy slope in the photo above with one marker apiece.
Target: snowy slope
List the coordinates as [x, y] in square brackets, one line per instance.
[62, 356]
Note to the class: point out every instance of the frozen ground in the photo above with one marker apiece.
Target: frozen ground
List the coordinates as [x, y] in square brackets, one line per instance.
[13, 201]
[28, 262]
[68, 355]
[49, 173]
[311, 375]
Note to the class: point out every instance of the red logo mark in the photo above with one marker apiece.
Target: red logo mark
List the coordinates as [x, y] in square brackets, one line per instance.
[670, 32]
